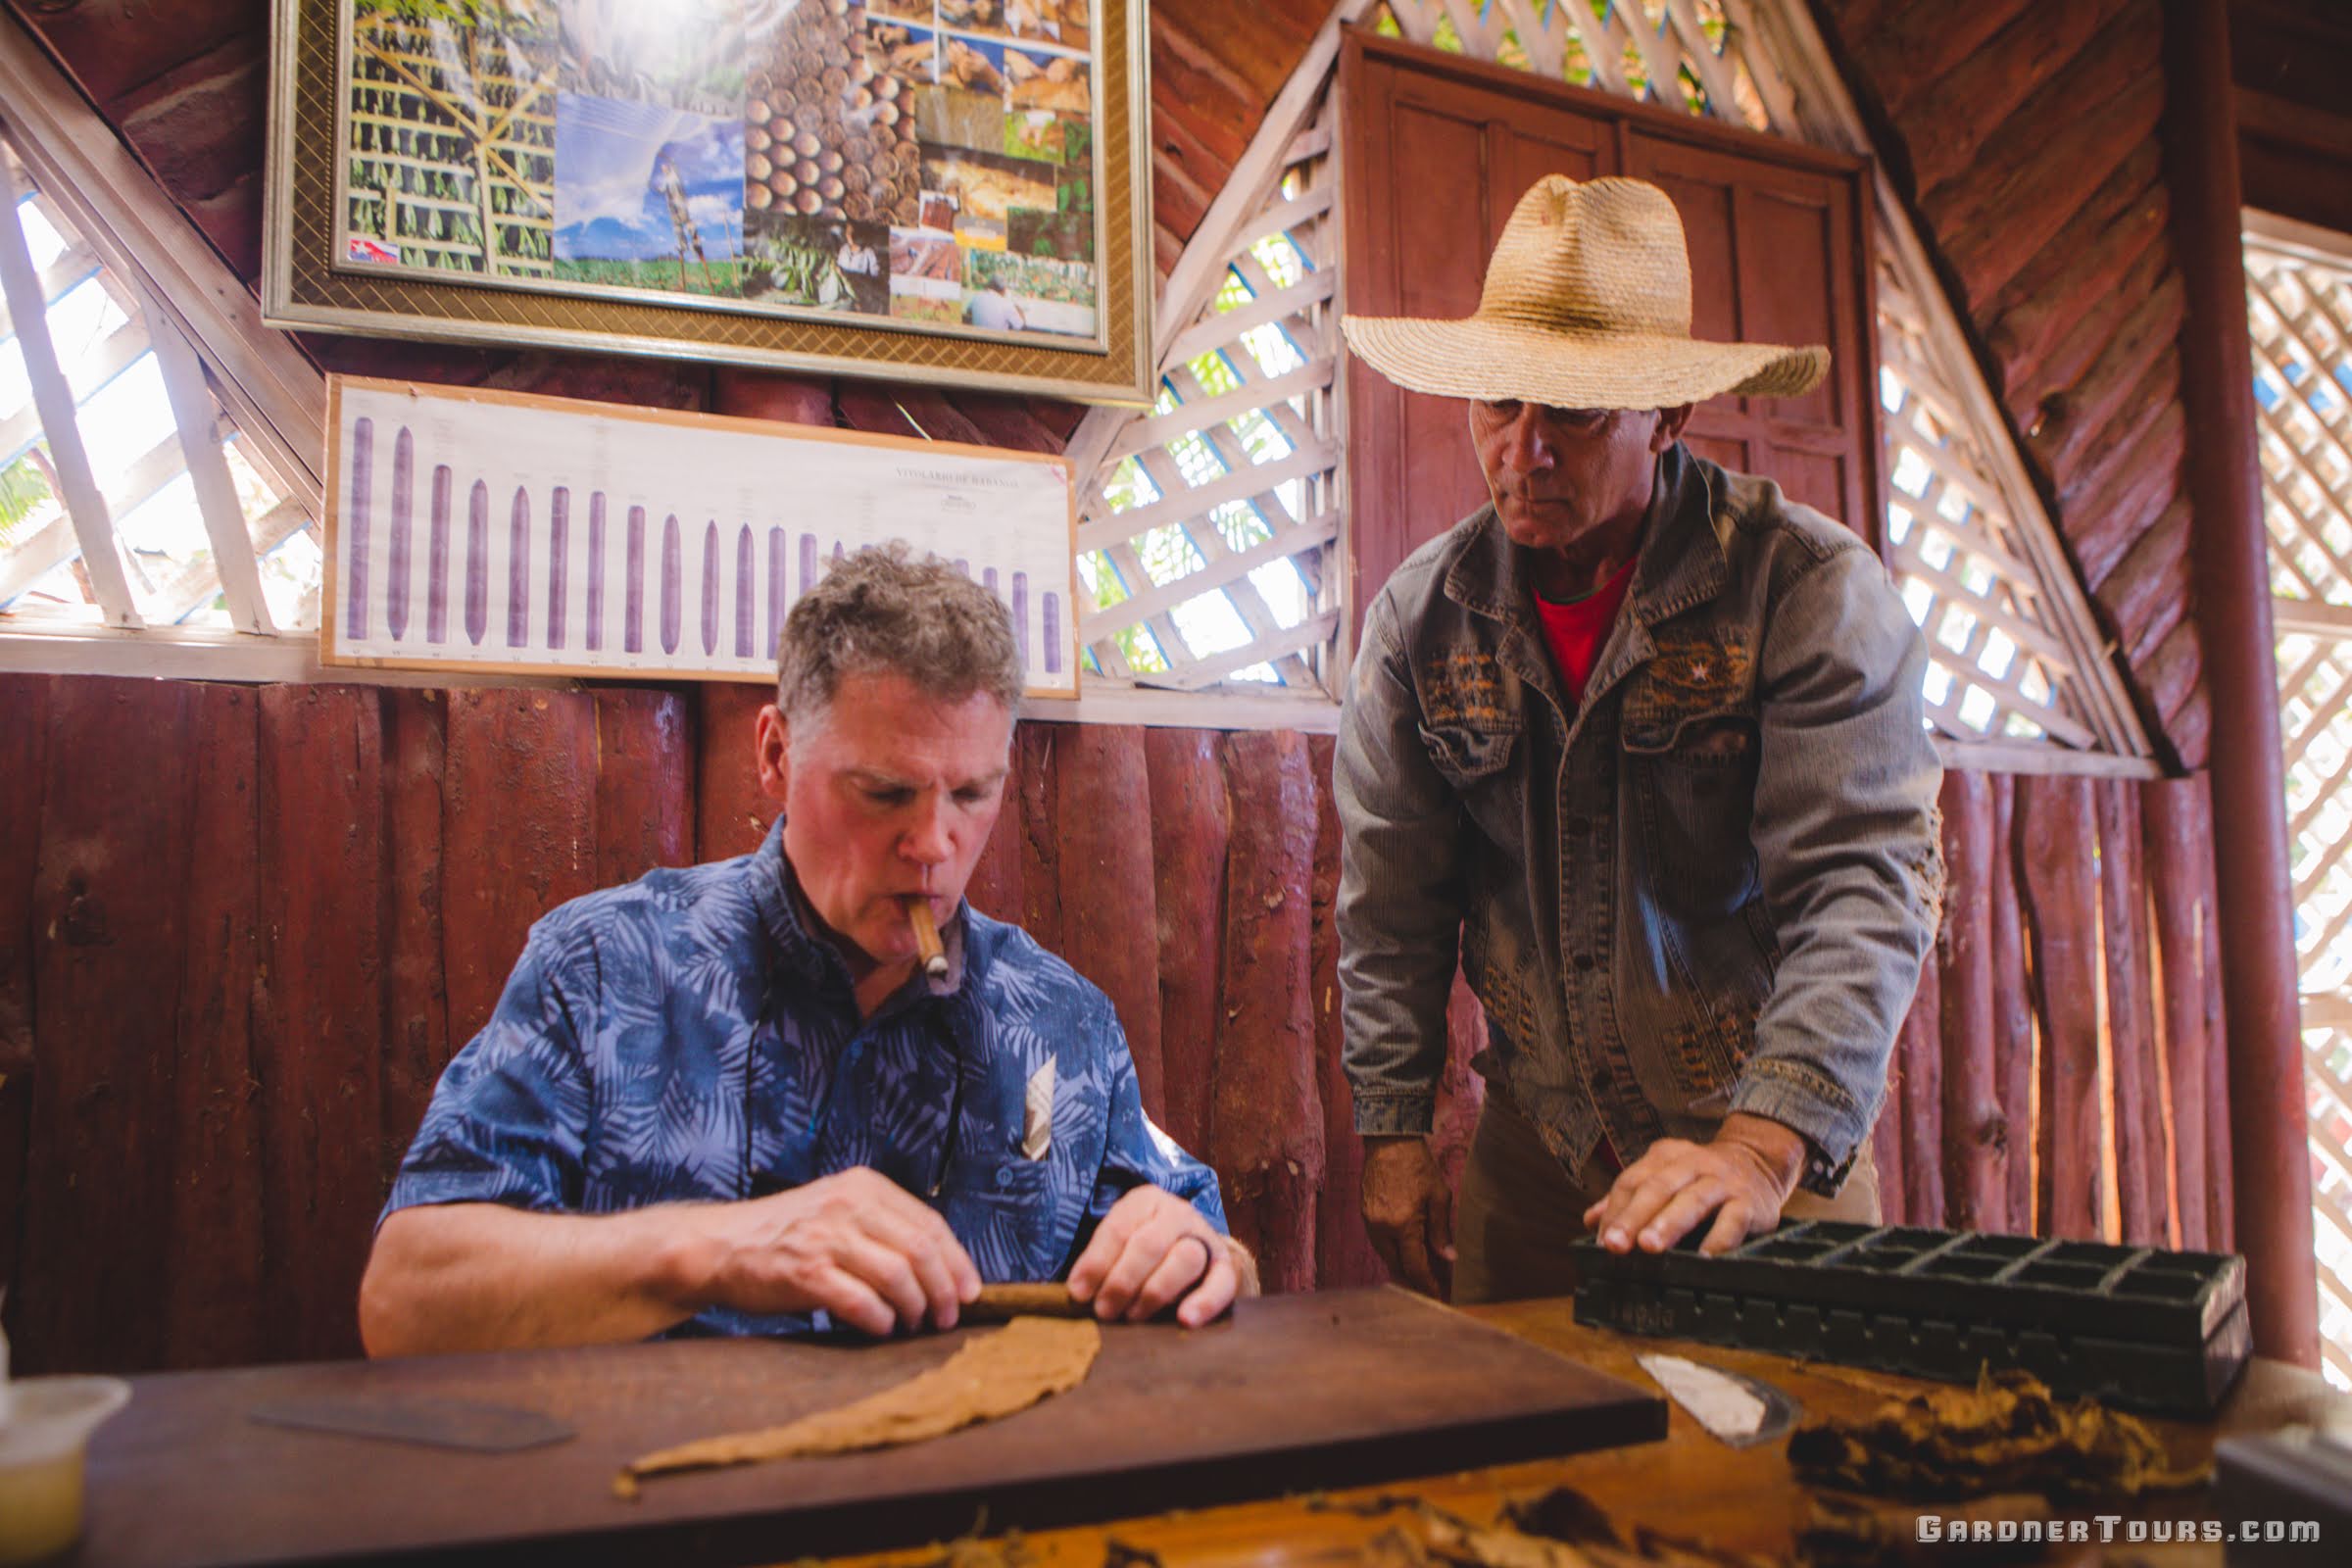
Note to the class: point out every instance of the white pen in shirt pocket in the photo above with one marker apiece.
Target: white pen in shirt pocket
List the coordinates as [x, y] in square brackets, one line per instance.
[1037, 1113]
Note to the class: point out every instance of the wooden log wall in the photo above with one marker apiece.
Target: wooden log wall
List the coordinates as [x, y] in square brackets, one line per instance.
[2028, 139]
[2060, 1071]
[243, 962]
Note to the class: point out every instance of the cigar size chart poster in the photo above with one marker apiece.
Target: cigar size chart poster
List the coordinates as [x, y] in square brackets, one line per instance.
[497, 531]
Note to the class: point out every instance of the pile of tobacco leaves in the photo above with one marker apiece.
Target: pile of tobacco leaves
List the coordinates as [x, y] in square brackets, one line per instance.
[2006, 1435]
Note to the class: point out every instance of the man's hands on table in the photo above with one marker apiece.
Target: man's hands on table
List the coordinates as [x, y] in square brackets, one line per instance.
[1741, 1177]
[854, 1245]
[1409, 1210]
[868, 1253]
[1153, 1250]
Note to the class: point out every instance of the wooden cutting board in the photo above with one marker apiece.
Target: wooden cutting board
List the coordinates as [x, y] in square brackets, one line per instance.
[1289, 1394]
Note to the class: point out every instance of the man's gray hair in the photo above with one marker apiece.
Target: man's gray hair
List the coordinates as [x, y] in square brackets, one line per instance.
[883, 611]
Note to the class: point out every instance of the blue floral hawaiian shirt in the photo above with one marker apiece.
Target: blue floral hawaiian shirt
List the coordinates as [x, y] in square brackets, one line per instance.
[689, 1038]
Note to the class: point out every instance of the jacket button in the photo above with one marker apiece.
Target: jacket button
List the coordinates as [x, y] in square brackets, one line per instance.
[1584, 960]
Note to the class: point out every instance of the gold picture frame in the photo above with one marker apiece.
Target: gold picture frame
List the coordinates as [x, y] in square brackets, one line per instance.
[829, 187]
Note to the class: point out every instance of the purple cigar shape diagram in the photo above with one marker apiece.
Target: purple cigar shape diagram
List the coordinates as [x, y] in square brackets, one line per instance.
[596, 571]
[710, 588]
[776, 588]
[1052, 613]
[519, 569]
[436, 559]
[477, 563]
[363, 497]
[746, 593]
[404, 497]
[673, 584]
[558, 551]
[632, 617]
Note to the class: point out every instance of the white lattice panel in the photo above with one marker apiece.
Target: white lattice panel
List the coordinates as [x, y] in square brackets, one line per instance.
[2299, 309]
[1209, 536]
[2006, 650]
[2327, 1058]
[1676, 52]
[198, 536]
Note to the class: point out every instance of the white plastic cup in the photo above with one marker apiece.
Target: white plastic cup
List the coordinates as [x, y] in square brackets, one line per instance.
[43, 1442]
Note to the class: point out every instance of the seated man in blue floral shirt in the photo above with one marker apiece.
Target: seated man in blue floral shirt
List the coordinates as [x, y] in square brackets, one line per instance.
[729, 1098]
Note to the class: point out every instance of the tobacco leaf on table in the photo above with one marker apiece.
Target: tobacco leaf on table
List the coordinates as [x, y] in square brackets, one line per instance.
[1395, 1549]
[989, 1377]
[1560, 1528]
[1456, 1543]
[1561, 1513]
[2006, 1435]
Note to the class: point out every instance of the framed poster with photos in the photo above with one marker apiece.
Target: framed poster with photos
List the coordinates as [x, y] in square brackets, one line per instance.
[950, 191]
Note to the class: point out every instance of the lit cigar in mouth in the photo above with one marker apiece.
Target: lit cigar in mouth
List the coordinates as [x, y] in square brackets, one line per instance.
[926, 938]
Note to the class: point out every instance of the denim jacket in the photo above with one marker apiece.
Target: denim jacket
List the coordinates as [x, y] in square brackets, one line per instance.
[1707, 888]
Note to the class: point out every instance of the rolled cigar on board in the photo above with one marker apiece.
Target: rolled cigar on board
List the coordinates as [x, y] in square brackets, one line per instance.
[926, 938]
[1001, 1304]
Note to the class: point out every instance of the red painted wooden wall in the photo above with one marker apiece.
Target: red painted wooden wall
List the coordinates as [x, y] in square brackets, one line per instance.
[2061, 1070]
[241, 930]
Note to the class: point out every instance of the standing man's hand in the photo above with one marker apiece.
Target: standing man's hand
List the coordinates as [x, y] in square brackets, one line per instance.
[1741, 1177]
[1410, 1211]
[1153, 1249]
[856, 1245]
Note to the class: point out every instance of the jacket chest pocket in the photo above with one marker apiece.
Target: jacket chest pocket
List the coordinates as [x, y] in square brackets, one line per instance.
[1476, 761]
[1718, 738]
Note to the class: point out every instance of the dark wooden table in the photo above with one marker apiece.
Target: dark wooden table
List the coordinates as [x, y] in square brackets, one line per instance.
[1690, 1486]
[1289, 1394]
[1372, 1391]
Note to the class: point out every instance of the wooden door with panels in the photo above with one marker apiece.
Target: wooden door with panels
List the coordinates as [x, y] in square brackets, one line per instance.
[1438, 149]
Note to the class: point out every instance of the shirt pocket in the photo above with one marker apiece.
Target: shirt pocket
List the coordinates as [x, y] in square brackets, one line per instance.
[1005, 1209]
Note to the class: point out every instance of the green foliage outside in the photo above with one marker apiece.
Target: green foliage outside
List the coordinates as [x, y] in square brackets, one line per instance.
[726, 276]
[23, 489]
[517, 19]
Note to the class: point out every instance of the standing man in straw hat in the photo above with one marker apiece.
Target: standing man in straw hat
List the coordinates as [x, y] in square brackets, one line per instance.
[1643, 741]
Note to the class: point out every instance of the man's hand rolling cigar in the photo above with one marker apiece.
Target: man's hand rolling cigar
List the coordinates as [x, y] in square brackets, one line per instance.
[810, 1085]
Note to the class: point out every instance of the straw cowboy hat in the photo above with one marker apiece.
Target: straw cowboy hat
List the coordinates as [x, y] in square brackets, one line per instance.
[1586, 305]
